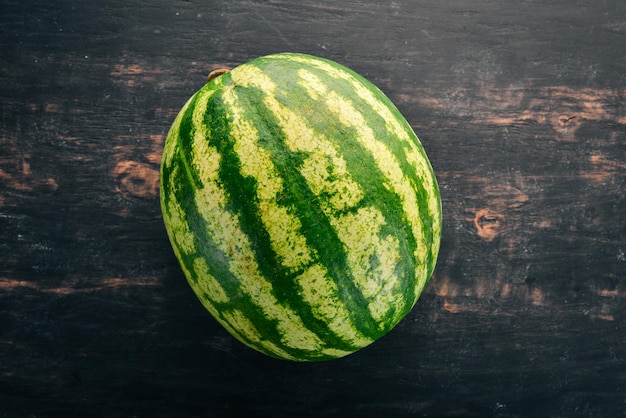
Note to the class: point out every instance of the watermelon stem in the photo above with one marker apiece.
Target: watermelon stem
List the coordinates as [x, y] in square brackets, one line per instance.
[216, 73]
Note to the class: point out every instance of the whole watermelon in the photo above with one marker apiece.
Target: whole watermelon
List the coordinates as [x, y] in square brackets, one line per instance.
[301, 206]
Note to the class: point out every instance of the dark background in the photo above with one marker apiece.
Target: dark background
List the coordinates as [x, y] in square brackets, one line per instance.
[520, 106]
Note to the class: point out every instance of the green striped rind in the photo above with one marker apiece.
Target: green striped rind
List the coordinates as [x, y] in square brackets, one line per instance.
[301, 206]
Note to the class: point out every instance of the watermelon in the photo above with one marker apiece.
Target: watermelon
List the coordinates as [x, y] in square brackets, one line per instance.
[301, 206]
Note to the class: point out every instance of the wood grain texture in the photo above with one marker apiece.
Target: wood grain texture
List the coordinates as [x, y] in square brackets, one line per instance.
[521, 108]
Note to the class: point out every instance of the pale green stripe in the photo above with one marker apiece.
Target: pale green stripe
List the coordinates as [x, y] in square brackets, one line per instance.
[207, 284]
[386, 162]
[285, 229]
[414, 155]
[390, 167]
[177, 226]
[326, 173]
[282, 226]
[224, 229]
[321, 293]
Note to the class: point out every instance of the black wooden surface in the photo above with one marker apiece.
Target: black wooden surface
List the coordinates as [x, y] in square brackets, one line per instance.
[521, 108]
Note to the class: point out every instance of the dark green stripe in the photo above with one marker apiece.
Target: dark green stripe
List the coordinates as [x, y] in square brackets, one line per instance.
[378, 124]
[186, 135]
[360, 163]
[188, 179]
[424, 195]
[242, 189]
[217, 261]
[399, 149]
[316, 228]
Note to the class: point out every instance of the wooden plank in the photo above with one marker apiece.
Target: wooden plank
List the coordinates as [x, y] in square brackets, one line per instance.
[520, 108]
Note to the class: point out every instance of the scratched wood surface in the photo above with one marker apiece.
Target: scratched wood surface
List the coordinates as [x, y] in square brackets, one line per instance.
[521, 108]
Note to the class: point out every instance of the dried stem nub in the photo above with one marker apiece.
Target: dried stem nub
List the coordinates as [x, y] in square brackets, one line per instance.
[216, 73]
